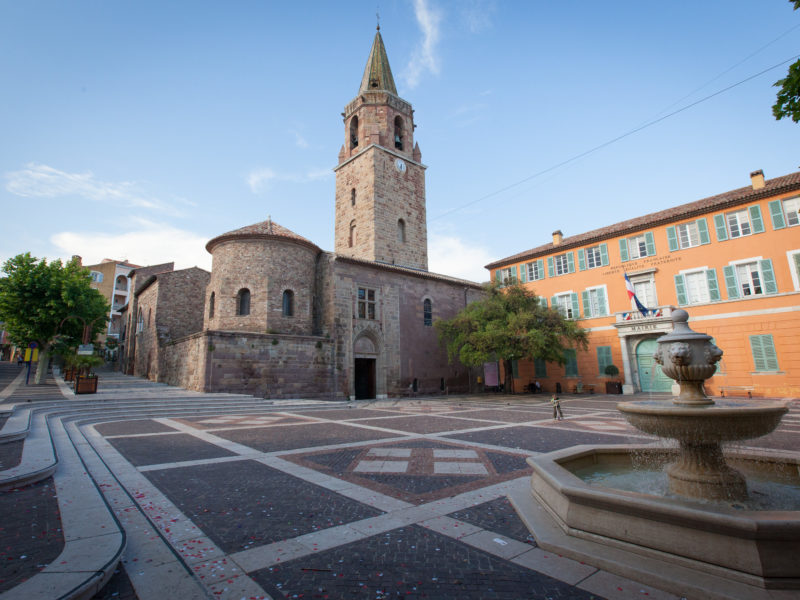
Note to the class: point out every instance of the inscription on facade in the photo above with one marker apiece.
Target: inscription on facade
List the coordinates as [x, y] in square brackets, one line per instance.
[652, 261]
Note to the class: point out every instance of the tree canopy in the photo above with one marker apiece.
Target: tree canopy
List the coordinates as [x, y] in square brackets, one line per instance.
[788, 99]
[36, 297]
[509, 324]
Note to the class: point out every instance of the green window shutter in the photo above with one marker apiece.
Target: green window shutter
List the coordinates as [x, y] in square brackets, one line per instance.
[550, 271]
[570, 262]
[756, 220]
[776, 212]
[603, 358]
[571, 366]
[582, 259]
[758, 353]
[541, 367]
[497, 276]
[540, 262]
[650, 243]
[523, 273]
[576, 309]
[702, 229]
[672, 239]
[719, 225]
[680, 289]
[604, 254]
[601, 302]
[543, 301]
[554, 302]
[587, 305]
[515, 369]
[764, 356]
[730, 282]
[796, 257]
[623, 250]
[770, 285]
[713, 286]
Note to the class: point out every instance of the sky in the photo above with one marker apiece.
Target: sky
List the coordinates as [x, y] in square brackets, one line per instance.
[140, 129]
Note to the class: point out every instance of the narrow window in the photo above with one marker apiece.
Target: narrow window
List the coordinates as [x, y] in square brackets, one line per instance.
[211, 306]
[749, 278]
[243, 302]
[739, 223]
[140, 322]
[353, 197]
[401, 231]
[149, 314]
[288, 303]
[398, 133]
[427, 312]
[688, 235]
[570, 363]
[351, 240]
[353, 132]
[366, 303]
[791, 210]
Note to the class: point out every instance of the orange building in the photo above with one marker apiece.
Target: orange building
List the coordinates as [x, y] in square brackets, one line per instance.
[731, 260]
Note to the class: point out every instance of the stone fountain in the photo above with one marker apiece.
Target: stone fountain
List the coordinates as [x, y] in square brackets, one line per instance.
[703, 521]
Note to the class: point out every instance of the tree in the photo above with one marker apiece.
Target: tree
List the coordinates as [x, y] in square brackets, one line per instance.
[788, 99]
[509, 324]
[36, 297]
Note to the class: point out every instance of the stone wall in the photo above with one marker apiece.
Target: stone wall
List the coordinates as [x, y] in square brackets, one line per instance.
[181, 297]
[183, 362]
[145, 351]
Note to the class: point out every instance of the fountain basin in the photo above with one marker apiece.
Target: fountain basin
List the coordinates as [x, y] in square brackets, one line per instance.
[755, 547]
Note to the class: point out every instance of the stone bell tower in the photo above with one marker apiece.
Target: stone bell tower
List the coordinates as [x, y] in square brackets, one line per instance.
[380, 181]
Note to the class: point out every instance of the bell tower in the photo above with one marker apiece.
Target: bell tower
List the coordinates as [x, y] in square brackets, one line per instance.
[380, 180]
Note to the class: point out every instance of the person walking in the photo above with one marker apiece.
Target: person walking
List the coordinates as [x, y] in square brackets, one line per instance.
[557, 414]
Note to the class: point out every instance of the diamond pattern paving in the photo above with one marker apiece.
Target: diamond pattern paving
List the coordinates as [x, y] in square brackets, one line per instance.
[301, 436]
[542, 439]
[497, 516]
[156, 449]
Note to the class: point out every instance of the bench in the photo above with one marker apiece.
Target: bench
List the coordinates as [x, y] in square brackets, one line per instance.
[736, 388]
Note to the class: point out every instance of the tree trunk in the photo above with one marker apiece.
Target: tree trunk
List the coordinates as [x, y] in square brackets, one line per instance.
[44, 363]
[509, 376]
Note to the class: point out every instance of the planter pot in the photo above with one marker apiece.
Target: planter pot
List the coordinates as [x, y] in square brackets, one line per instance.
[69, 374]
[86, 384]
[613, 387]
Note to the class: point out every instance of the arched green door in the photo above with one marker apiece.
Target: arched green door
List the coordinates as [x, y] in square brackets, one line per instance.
[651, 378]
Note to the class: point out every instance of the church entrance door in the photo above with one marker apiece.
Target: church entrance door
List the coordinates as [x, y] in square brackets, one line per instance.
[365, 378]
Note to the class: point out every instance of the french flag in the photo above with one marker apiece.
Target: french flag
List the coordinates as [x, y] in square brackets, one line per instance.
[632, 297]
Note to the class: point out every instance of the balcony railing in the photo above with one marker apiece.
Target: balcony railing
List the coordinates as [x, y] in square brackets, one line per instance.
[657, 313]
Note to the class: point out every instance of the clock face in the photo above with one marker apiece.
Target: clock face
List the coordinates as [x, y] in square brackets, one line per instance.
[400, 165]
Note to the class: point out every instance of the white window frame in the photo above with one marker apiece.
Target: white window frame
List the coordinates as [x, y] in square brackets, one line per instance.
[508, 275]
[795, 200]
[96, 276]
[790, 254]
[567, 314]
[593, 302]
[531, 267]
[645, 278]
[691, 226]
[640, 243]
[701, 271]
[743, 221]
[558, 268]
[597, 258]
[746, 261]
[367, 303]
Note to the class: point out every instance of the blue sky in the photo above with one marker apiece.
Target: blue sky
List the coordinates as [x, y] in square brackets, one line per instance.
[140, 129]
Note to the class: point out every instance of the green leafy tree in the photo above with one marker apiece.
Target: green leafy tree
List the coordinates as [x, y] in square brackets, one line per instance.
[37, 296]
[788, 99]
[509, 324]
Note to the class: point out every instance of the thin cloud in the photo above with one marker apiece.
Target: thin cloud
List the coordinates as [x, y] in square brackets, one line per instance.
[477, 14]
[148, 243]
[43, 181]
[424, 58]
[450, 255]
[299, 140]
[258, 180]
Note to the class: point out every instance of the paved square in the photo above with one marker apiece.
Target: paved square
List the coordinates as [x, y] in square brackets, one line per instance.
[156, 449]
[542, 439]
[302, 436]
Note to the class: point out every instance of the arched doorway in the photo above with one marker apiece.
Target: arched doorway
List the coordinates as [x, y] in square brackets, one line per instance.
[364, 375]
[651, 378]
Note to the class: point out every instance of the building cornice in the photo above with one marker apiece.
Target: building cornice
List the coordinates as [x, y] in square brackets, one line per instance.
[385, 149]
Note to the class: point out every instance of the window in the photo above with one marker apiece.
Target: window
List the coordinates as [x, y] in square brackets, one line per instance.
[603, 358]
[211, 306]
[594, 302]
[507, 276]
[793, 257]
[354, 132]
[595, 256]
[398, 133]
[764, 356]
[645, 291]
[288, 303]
[351, 240]
[140, 321]
[540, 367]
[149, 315]
[571, 363]
[243, 302]
[688, 235]
[121, 283]
[401, 231]
[566, 304]
[353, 197]
[532, 271]
[739, 223]
[638, 246]
[697, 286]
[366, 303]
[785, 213]
[96, 277]
[752, 277]
[427, 313]
[561, 264]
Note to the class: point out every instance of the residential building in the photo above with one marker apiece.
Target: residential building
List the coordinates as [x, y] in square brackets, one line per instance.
[110, 278]
[731, 260]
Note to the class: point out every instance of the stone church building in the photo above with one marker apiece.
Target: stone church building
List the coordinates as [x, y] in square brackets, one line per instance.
[281, 318]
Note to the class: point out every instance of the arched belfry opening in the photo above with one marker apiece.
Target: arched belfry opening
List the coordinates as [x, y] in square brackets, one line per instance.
[398, 133]
[354, 132]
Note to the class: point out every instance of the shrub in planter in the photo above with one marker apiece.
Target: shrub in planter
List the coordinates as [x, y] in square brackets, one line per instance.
[612, 387]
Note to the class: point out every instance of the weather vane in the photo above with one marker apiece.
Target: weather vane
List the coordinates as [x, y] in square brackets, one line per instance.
[378, 16]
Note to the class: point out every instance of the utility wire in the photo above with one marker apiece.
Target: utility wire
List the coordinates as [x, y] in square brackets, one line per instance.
[612, 141]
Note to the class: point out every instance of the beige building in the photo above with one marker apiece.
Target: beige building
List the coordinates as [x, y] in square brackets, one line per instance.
[110, 278]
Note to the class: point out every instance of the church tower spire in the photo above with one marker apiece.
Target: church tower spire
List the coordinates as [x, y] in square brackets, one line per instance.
[380, 179]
